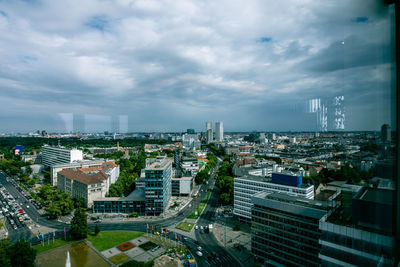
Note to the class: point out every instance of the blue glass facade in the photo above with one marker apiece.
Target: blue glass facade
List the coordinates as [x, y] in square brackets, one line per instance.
[158, 187]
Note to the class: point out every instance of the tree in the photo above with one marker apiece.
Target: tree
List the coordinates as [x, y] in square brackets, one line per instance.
[5, 252]
[54, 210]
[79, 227]
[96, 230]
[22, 254]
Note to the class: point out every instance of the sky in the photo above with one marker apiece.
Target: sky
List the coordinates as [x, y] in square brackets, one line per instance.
[171, 65]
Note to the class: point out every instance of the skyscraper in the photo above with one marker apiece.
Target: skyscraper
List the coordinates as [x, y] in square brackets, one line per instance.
[386, 133]
[219, 131]
[209, 132]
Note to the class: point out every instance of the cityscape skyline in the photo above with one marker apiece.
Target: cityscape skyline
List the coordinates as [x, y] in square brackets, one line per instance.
[158, 66]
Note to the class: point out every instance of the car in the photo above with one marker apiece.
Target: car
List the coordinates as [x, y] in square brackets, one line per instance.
[199, 248]
[199, 253]
[196, 227]
[98, 221]
[201, 227]
[196, 242]
[155, 249]
[157, 233]
[189, 248]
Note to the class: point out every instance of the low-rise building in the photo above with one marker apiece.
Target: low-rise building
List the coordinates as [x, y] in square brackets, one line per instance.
[135, 202]
[54, 155]
[182, 186]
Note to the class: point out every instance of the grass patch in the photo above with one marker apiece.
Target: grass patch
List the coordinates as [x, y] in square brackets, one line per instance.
[133, 263]
[117, 259]
[185, 226]
[57, 243]
[108, 239]
[199, 210]
[148, 245]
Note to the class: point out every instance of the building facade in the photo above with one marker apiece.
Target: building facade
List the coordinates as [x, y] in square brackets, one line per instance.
[209, 132]
[182, 186]
[285, 229]
[219, 131]
[59, 155]
[135, 202]
[245, 187]
[158, 186]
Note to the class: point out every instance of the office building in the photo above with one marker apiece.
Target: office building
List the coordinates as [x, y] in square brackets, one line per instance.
[53, 155]
[191, 141]
[285, 229]
[182, 186]
[158, 186]
[219, 131]
[87, 186]
[209, 132]
[359, 232]
[386, 133]
[54, 169]
[190, 131]
[245, 187]
[135, 202]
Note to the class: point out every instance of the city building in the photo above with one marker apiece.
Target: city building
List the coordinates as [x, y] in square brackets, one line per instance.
[87, 186]
[209, 132]
[53, 155]
[135, 202]
[190, 131]
[54, 169]
[191, 141]
[219, 131]
[182, 186]
[285, 229]
[386, 133]
[158, 186]
[245, 187]
[359, 232]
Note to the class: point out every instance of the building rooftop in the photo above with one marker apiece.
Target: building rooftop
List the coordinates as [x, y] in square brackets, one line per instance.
[82, 177]
[158, 166]
[268, 180]
[135, 195]
[381, 196]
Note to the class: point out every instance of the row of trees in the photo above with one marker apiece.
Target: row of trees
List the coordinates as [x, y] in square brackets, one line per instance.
[129, 172]
[18, 255]
[346, 173]
[204, 175]
[225, 182]
[58, 202]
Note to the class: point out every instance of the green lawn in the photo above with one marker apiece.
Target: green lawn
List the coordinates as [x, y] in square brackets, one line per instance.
[108, 239]
[148, 245]
[57, 243]
[185, 226]
[199, 210]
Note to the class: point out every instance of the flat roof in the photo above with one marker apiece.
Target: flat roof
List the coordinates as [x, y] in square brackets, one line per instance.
[157, 166]
[269, 180]
[135, 195]
[376, 195]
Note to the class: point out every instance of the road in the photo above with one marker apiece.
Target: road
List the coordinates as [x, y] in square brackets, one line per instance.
[207, 241]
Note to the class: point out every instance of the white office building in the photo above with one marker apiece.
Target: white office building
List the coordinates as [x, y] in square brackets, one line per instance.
[245, 187]
[191, 141]
[53, 155]
[209, 132]
[219, 131]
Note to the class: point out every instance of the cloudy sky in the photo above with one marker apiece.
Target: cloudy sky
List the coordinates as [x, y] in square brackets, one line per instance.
[171, 65]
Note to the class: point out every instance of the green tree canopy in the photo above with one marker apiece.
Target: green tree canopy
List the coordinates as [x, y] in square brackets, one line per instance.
[79, 227]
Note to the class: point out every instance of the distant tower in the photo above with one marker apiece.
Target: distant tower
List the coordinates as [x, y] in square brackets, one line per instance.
[209, 132]
[386, 133]
[117, 146]
[219, 131]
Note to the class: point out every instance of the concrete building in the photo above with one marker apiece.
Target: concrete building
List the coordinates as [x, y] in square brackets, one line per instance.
[76, 164]
[52, 155]
[386, 133]
[219, 131]
[245, 187]
[191, 141]
[135, 202]
[81, 185]
[158, 186]
[209, 132]
[182, 186]
[285, 229]
[360, 231]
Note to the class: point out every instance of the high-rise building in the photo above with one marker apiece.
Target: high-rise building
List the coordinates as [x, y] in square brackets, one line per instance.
[53, 155]
[219, 131]
[285, 229]
[245, 187]
[209, 132]
[386, 133]
[158, 186]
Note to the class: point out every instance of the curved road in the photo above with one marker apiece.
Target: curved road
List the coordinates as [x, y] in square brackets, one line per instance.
[207, 241]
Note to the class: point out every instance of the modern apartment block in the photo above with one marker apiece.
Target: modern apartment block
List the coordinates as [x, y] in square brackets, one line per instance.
[219, 131]
[245, 187]
[158, 186]
[359, 232]
[53, 155]
[285, 229]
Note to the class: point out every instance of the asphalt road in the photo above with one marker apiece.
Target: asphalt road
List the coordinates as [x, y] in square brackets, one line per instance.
[207, 241]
